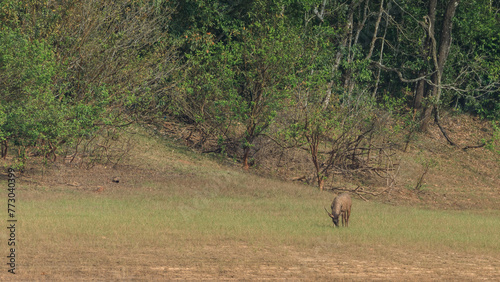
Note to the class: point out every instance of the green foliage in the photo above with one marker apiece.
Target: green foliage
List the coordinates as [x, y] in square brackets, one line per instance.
[238, 86]
[237, 69]
[3, 120]
[26, 70]
[478, 48]
[34, 18]
[68, 69]
[33, 114]
[494, 144]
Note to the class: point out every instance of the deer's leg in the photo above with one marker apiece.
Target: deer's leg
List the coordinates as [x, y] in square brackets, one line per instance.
[347, 217]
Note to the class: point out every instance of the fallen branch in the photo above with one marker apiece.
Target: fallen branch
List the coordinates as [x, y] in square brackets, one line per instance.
[359, 191]
[298, 178]
[437, 120]
[473, 147]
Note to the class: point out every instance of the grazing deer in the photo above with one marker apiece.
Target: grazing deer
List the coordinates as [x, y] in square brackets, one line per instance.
[341, 205]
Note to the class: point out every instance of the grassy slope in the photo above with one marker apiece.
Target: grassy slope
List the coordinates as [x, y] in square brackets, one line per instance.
[183, 216]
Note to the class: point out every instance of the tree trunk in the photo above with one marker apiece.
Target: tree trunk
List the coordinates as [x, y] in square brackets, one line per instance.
[422, 90]
[321, 183]
[419, 93]
[439, 57]
[444, 47]
[343, 45]
[246, 154]
[313, 141]
[4, 147]
[382, 45]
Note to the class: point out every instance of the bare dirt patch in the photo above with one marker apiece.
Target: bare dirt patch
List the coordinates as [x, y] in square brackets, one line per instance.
[239, 261]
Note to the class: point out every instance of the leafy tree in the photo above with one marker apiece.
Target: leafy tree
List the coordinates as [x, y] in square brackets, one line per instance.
[34, 115]
[69, 68]
[477, 52]
[239, 86]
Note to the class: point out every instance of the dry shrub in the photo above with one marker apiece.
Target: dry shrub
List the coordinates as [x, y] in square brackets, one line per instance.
[109, 146]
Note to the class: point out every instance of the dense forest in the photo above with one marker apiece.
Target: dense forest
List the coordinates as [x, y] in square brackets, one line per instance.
[339, 79]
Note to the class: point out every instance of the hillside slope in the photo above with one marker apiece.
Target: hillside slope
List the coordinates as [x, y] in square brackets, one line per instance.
[166, 212]
[451, 177]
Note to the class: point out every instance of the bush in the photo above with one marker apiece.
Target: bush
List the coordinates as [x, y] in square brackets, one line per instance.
[33, 114]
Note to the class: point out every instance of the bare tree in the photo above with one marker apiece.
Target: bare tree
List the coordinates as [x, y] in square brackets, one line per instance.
[439, 55]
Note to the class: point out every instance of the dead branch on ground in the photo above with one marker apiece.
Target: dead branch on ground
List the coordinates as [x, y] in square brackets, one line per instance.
[360, 191]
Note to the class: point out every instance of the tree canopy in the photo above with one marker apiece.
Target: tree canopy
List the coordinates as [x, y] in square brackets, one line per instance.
[299, 72]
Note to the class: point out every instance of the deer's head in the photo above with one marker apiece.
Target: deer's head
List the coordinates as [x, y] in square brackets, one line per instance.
[334, 219]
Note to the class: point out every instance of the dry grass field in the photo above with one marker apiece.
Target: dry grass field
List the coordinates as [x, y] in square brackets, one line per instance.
[179, 215]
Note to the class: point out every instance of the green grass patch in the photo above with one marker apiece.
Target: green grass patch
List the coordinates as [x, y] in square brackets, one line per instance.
[162, 218]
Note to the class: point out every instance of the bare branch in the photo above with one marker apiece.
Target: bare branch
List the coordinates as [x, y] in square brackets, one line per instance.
[321, 14]
[359, 191]
[436, 118]
[400, 75]
[375, 32]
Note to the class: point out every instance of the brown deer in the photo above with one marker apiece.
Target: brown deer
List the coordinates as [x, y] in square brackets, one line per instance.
[341, 205]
